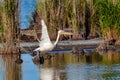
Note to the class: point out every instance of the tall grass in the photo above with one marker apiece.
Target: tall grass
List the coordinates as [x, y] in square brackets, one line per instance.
[92, 18]
[63, 14]
[0, 15]
[1, 24]
[109, 18]
[83, 16]
[10, 22]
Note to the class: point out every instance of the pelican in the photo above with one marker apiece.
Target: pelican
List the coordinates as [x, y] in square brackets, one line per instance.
[45, 44]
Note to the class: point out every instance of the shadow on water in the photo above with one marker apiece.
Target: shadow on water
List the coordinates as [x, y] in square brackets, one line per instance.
[61, 65]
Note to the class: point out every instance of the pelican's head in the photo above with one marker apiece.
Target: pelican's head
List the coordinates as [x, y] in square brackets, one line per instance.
[64, 32]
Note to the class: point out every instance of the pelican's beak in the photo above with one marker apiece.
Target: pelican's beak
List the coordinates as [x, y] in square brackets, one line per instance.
[67, 33]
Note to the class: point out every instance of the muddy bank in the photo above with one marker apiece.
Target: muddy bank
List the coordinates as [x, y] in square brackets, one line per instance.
[66, 43]
[62, 45]
[93, 43]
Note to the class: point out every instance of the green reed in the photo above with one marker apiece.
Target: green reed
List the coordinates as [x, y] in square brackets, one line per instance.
[63, 14]
[109, 17]
[96, 15]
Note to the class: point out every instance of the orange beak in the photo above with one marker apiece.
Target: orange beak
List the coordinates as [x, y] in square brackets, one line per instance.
[67, 33]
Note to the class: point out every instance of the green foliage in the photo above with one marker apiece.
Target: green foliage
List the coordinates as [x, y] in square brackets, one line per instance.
[9, 7]
[1, 23]
[109, 14]
[97, 15]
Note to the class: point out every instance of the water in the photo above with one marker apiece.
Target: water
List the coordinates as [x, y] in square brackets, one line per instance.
[61, 66]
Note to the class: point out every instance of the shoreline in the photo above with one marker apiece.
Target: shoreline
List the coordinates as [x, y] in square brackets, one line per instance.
[63, 45]
[66, 43]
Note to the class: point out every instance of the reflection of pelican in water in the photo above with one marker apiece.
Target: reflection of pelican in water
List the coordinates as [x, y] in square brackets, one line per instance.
[45, 44]
[49, 74]
[46, 74]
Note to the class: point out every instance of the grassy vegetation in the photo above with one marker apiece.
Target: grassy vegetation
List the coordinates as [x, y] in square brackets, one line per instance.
[109, 18]
[83, 16]
[63, 14]
[1, 24]
[9, 25]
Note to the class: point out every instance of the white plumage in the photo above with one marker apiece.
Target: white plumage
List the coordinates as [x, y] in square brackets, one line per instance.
[45, 44]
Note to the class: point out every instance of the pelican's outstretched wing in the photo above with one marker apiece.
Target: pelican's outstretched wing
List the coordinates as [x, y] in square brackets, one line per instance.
[45, 39]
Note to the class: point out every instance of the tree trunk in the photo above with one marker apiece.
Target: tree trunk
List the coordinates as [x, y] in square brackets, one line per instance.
[11, 29]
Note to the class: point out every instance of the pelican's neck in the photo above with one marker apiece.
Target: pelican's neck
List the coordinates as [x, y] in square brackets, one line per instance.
[57, 39]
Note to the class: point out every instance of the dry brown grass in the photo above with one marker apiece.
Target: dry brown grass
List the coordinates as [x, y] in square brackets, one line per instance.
[60, 14]
[10, 22]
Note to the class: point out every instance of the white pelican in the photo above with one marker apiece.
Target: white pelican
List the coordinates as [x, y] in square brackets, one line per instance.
[45, 44]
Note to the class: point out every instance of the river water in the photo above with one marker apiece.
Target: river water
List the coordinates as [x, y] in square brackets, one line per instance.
[61, 66]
